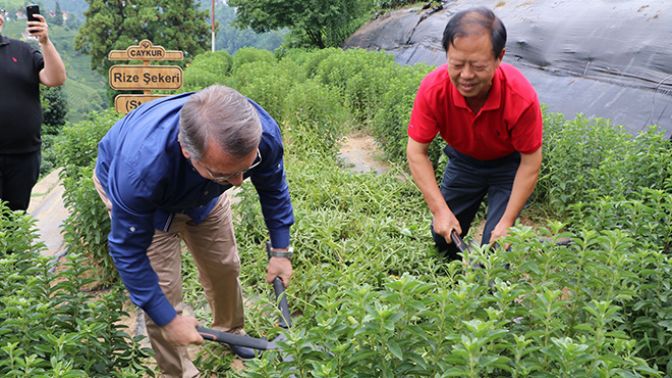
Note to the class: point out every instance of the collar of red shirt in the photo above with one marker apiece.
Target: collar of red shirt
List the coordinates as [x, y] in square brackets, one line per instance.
[494, 97]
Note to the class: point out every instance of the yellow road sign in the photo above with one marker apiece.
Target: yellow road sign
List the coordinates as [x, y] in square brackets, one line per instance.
[126, 102]
[138, 77]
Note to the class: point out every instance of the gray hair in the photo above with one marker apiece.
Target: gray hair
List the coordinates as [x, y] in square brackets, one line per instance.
[220, 114]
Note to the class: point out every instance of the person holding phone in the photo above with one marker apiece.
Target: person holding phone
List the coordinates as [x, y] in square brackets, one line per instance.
[22, 69]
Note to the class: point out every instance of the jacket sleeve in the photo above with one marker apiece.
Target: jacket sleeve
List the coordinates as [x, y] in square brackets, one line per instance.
[271, 185]
[131, 234]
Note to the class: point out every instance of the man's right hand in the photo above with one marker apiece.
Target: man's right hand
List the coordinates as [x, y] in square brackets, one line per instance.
[181, 331]
[444, 223]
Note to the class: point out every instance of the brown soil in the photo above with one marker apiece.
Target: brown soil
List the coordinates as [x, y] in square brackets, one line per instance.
[361, 154]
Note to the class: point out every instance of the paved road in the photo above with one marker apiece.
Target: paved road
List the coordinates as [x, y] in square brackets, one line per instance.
[46, 206]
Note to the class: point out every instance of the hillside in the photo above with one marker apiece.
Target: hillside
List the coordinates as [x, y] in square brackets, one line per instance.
[73, 6]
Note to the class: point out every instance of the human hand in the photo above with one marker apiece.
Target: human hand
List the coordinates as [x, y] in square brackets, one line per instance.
[445, 223]
[39, 29]
[501, 230]
[182, 331]
[279, 267]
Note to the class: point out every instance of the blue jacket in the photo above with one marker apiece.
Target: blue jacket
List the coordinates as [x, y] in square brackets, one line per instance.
[148, 180]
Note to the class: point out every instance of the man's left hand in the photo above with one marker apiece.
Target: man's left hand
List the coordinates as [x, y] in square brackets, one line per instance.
[39, 29]
[500, 231]
[279, 267]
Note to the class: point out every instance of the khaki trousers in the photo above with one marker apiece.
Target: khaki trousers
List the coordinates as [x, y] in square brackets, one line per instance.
[213, 246]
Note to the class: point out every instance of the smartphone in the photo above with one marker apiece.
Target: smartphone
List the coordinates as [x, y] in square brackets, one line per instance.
[31, 11]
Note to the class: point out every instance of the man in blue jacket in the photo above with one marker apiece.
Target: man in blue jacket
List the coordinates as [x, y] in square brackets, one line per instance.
[162, 172]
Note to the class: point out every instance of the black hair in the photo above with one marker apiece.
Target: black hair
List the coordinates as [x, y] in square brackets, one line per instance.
[483, 19]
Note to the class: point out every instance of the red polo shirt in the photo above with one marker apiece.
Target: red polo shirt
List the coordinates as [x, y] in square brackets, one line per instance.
[509, 121]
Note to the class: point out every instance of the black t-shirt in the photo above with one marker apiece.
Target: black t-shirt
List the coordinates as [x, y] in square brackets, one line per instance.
[20, 110]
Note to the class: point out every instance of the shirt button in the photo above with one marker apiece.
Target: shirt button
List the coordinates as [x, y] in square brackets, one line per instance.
[132, 229]
[206, 193]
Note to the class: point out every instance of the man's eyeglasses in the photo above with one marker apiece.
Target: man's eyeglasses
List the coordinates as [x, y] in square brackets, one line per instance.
[220, 179]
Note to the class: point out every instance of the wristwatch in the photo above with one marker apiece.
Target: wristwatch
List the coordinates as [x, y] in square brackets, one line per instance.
[281, 252]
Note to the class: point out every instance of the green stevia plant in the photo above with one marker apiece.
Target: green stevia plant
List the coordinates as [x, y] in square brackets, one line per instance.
[248, 55]
[313, 105]
[586, 159]
[390, 123]
[207, 69]
[87, 225]
[49, 325]
[371, 297]
[266, 82]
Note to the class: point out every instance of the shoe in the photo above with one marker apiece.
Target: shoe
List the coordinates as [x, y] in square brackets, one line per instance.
[244, 353]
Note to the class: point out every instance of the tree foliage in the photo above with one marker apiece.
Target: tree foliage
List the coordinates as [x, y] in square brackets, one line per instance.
[231, 38]
[117, 24]
[56, 108]
[57, 19]
[314, 23]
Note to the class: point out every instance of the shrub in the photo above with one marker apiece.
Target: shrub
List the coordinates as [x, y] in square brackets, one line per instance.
[645, 214]
[267, 83]
[388, 4]
[251, 55]
[55, 110]
[556, 311]
[207, 69]
[362, 77]
[314, 106]
[49, 326]
[311, 60]
[88, 224]
[390, 122]
[588, 159]
[77, 146]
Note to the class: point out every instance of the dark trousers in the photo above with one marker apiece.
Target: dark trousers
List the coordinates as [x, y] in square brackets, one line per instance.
[465, 183]
[18, 175]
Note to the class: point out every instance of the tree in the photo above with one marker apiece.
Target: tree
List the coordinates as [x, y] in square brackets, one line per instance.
[58, 15]
[314, 23]
[231, 38]
[117, 24]
[72, 22]
[54, 109]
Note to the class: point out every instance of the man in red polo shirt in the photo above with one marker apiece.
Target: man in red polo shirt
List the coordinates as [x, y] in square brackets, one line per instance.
[489, 115]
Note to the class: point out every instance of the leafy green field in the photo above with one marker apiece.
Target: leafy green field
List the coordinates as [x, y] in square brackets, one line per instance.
[370, 296]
